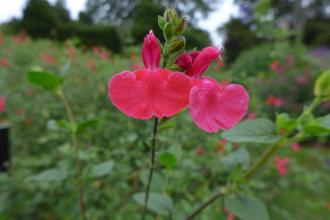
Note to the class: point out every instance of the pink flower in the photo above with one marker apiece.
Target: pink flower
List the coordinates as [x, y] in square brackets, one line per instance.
[4, 63]
[48, 59]
[277, 67]
[2, 104]
[230, 216]
[19, 38]
[151, 91]
[274, 101]
[221, 146]
[212, 106]
[200, 150]
[251, 116]
[103, 54]
[295, 146]
[281, 165]
[289, 60]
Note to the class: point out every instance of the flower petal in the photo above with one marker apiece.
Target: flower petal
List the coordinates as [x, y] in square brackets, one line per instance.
[151, 52]
[203, 60]
[144, 94]
[213, 106]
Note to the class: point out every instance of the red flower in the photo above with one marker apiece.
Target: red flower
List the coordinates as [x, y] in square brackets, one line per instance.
[48, 59]
[4, 63]
[150, 91]
[295, 146]
[281, 165]
[212, 106]
[277, 67]
[101, 53]
[19, 38]
[2, 104]
[221, 146]
[274, 101]
[200, 151]
[251, 116]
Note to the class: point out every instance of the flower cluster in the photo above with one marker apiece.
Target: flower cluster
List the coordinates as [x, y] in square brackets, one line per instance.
[2, 104]
[154, 91]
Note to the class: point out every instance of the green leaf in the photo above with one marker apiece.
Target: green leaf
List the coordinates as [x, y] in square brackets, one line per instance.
[159, 203]
[51, 175]
[83, 126]
[246, 207]
[66, 125]
[239, 157]
[157, 182]
[168, 124]
[283, 121]
[252, 131]
[161, 22]
[48, 81]
[318, 126]
[322, 86]
[168, 160]
[102, 169]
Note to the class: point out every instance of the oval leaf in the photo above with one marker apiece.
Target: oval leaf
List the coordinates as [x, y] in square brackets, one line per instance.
[168, 160]
[102, 169]
[252, 131]
[159, 203]
[48, 81]
[246, 207]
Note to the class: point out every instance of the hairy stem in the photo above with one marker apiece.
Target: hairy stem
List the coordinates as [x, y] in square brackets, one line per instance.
[152, 165]
[75, 143]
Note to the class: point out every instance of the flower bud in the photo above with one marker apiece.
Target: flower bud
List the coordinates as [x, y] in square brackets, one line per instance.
[176, 45]
[161, 22]
[168, 31]
[181, 26]
[322, 86]
[151, 51]
[170, 15]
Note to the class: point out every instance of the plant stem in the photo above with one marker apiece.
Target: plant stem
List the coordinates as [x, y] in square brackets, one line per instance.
[74, 141]
[204, 205]
[152, 165]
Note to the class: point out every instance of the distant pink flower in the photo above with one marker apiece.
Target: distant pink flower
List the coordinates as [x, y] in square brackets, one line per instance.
[220, 148]
[251, 115]
[302, 80]
[289, 60]
[103, 54]
[274, 101]
[230, 216]
[91, 64]
[212, 106]
[281, 165]
[2, 104]
[48, 59]
[277, 67]
[151, 91]
[295, 146]
[20, 38]
[200, 151]
[4, 63]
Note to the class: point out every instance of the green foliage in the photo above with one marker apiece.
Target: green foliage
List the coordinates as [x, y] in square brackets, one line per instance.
[48, 81]
[159, 203]
[168, 160]
[102, 169]
[246, 207]
[252, 131]
[239, 157]
[322, 86]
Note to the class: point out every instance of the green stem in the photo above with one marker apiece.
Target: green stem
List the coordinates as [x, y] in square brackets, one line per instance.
[152, 165]
[75, 143]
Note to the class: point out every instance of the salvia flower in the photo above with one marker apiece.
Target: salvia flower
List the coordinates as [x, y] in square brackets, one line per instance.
[295, 147]
[274, 101]
[2, 104]
[213, 106]
[281, 165]
[151, 91]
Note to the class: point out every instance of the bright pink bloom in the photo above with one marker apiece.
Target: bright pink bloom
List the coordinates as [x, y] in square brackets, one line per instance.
[281, 165]
[212, 106]
[4, 63]
[2, 104]
[274, 101]
[295, 146]
[150, 91]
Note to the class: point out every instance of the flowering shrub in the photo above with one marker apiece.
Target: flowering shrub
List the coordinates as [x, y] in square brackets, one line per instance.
[76, 154]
